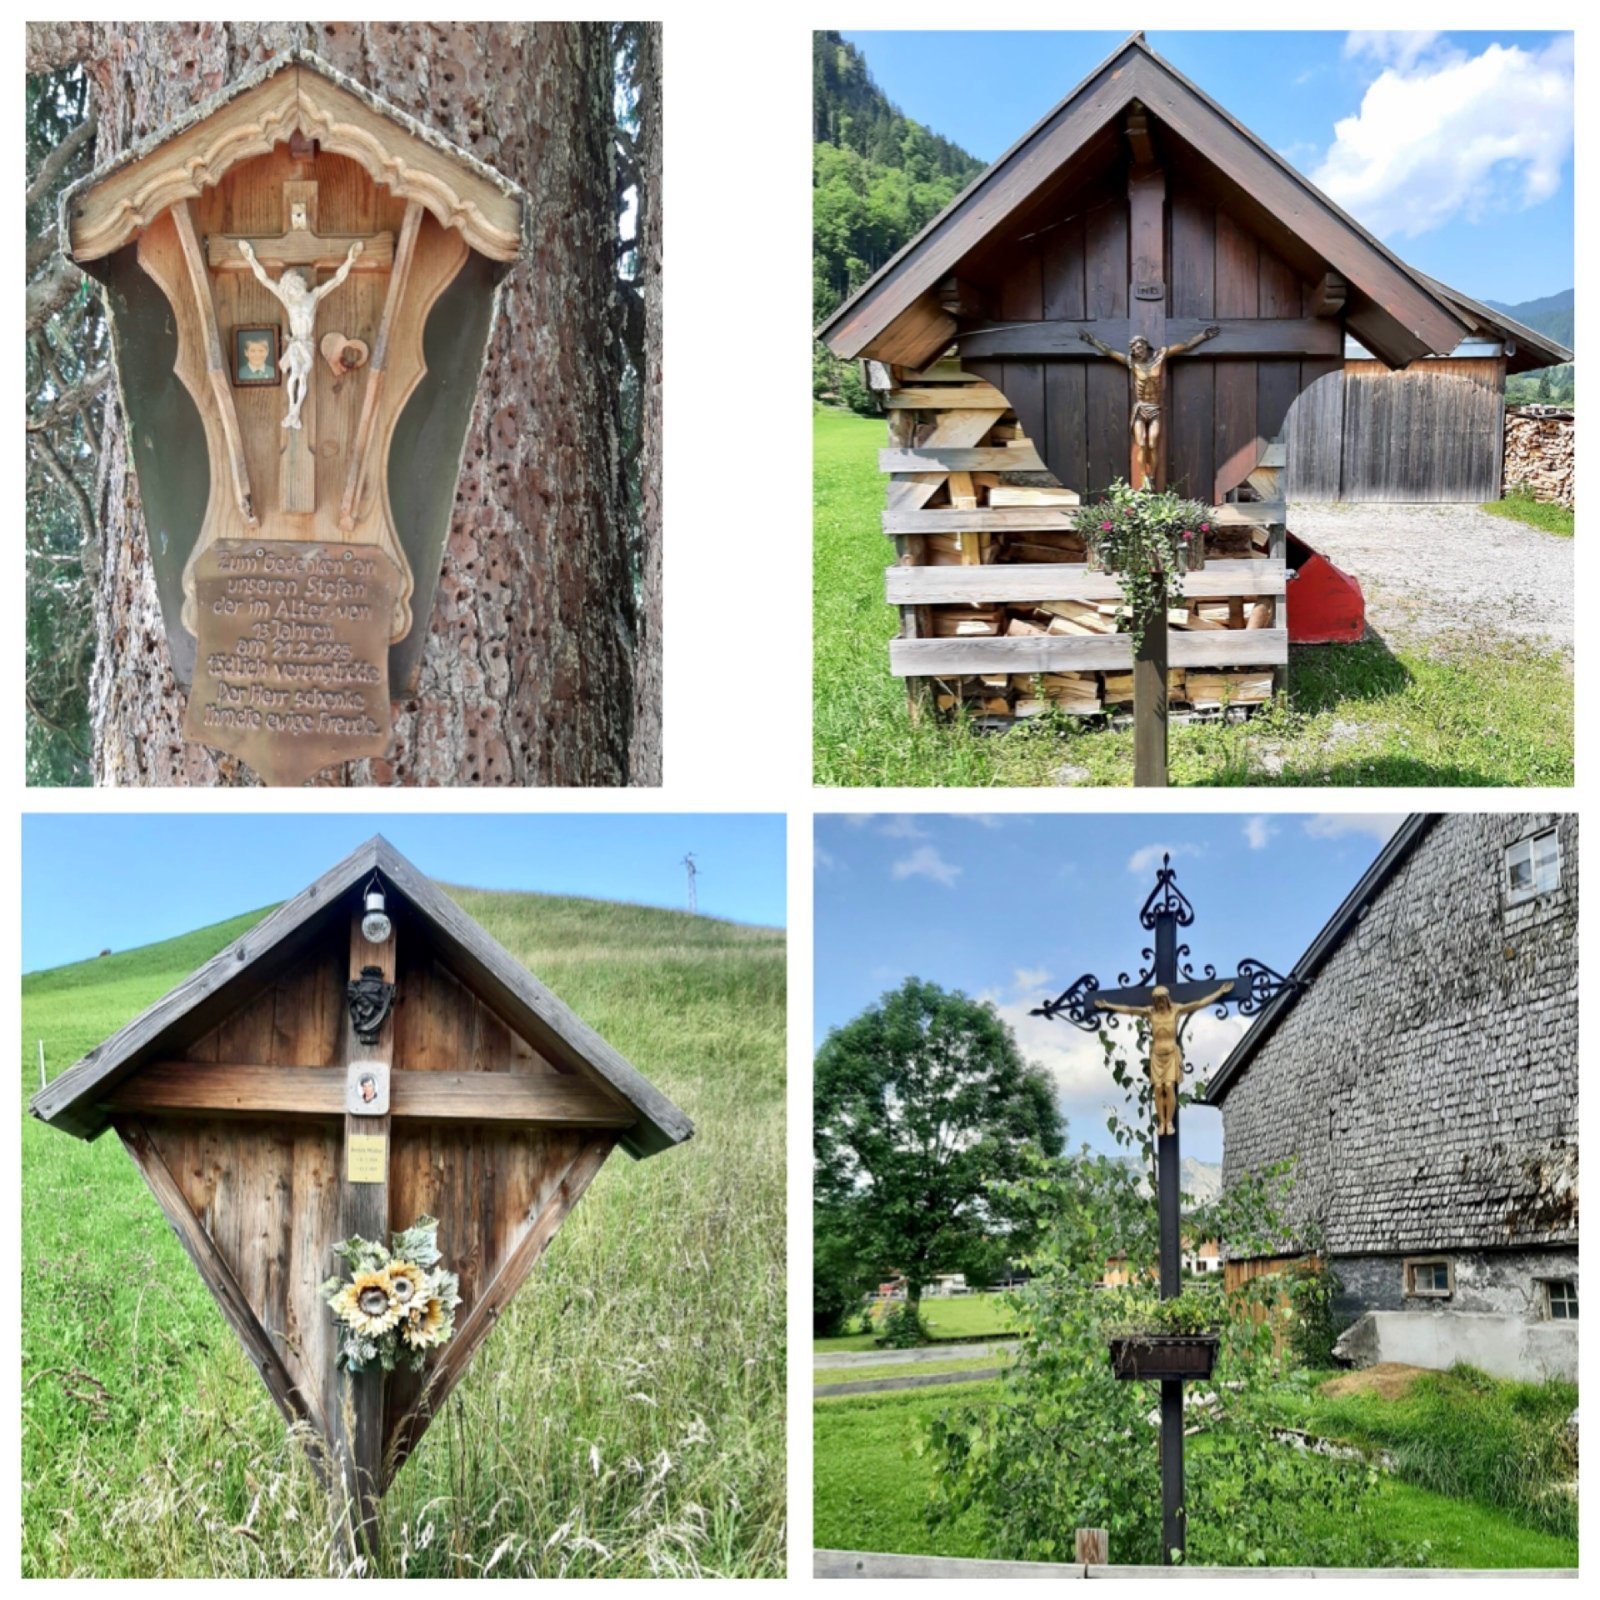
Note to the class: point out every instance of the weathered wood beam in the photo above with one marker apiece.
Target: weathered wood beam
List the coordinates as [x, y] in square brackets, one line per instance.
[1249, 337]
[1046, 519]
[948, 397]
[184, 1086]
[961, 298]
[994, 458]
[1025, 583]
[1328, 295]
[1140, 141]
[1109, 652]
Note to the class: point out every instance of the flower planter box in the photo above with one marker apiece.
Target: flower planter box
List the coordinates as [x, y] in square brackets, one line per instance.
[1165, 1355]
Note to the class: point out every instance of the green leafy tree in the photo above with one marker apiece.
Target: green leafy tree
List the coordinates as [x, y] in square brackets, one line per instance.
[923, 1102]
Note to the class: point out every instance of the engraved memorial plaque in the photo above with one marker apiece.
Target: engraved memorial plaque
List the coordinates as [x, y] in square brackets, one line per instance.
[366, 1158]
[292, 668]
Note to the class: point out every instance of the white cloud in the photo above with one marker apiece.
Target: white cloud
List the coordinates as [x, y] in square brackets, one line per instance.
[1026, 979]
[1397, 48]
[823, 858]
[984, 819]
[856, 819]
[1148, 857]
[926, 862]
[903, 827]
[1442, 134]
[1257, 831]
[1341, 824]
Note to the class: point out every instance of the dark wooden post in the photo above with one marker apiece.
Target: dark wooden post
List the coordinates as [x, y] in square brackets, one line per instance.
[357, 1421]
[1147, 310]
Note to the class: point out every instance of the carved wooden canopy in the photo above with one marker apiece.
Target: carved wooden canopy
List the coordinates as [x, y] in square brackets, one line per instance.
[301, 284]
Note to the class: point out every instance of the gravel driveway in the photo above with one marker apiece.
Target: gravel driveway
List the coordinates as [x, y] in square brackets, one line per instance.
[1429, 570]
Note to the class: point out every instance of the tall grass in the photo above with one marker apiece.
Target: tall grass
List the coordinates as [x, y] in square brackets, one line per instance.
[624, 1419]
[1464, 1434]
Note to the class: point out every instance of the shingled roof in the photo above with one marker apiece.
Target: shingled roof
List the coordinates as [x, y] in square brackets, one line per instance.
[75, 1100]
[1397, 313]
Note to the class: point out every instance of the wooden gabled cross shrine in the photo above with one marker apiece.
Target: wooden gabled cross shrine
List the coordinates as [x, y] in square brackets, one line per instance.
[1005, 343]
[301, 282]
[318, 1080]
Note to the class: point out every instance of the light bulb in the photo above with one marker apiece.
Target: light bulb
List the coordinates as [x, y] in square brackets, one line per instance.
[375, 925]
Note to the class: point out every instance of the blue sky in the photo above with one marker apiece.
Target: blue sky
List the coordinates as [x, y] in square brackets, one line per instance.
[96, 882]
[1013, 908]
[1455, 149]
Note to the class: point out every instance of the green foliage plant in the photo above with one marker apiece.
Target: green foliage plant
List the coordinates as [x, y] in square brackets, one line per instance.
[1064, 1444]
[1313, 1328]
[901, 1327]
[1144, 536]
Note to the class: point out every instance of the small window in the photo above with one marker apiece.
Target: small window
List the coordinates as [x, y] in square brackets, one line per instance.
[1561, 1299]
[1533, 866]
[1430, 1279]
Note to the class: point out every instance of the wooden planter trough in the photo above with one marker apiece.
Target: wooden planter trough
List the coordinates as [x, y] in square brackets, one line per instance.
[1164, 1355]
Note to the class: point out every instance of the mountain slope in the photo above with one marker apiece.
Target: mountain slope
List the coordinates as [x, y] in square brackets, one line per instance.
[1552, 315]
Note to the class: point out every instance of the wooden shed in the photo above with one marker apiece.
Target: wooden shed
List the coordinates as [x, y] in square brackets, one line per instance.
[321, 1079]
[1136, 209]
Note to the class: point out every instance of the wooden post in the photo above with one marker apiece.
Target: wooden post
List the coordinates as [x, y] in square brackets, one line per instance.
[1092, 1546]
[357, 1415]
[1150, 697]
[42, 1079]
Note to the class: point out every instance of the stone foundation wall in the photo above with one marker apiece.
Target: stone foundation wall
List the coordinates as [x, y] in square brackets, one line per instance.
[1539, 452]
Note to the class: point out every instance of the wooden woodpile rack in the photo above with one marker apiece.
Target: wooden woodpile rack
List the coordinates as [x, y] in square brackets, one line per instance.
[1000, 609]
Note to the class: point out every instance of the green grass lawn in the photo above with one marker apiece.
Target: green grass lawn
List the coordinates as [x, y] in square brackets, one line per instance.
[959, 1317]
[1520, 506]
[626, 1417]
[871, 1487]
[1356, 714]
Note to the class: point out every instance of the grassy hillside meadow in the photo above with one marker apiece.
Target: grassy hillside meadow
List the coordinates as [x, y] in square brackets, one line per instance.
[624, 1419]
[1356, 715]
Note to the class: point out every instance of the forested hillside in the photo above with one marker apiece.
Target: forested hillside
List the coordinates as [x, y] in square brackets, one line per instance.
[1552, 315]
[878, 178]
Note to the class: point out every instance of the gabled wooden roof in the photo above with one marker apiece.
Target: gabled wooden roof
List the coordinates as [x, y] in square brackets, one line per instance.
[1532, 349]
[74, 1101]
[295, 92]
[1396, 312]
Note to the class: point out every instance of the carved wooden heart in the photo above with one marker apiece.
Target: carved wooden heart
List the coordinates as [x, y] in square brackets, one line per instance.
[342, 354]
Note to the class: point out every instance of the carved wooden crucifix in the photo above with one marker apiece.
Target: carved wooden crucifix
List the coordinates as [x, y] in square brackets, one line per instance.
[302, 251]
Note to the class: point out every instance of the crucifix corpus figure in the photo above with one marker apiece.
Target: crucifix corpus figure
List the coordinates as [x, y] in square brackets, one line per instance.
[1147, 367]
[294, 292]
[1166, 1054]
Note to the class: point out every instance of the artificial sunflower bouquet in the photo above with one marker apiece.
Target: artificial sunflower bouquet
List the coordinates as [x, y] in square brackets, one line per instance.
[398, 1304]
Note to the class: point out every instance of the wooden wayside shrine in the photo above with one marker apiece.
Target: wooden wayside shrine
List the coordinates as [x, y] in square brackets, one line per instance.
[300, 281]
[234, 1094]
[1137, 209]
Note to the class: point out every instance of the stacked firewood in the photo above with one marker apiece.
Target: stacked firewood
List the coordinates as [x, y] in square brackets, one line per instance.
[1539, 452]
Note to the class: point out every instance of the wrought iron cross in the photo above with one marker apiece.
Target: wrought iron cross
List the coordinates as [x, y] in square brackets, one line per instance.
[1168, 983]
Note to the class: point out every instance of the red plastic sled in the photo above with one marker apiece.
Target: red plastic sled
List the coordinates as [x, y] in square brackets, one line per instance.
[1325, 605]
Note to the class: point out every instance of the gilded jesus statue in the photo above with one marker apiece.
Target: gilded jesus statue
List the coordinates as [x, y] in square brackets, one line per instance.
[1148, 366]
[294, 292]
[1166, 1054]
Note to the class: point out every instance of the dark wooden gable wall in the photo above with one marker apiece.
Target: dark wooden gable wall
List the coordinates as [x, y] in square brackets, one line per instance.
[1221, 411]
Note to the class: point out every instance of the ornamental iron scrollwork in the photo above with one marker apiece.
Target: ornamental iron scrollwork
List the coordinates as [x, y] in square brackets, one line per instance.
[1076, 1004]
[1166, 899]
[1256, 985]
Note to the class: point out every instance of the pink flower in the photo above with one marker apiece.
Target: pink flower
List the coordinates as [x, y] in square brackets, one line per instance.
[1105, 527]
[1187, 534]
[1205, 527]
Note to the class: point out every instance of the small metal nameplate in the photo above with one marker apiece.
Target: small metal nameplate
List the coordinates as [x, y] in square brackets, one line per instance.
[366, 1158]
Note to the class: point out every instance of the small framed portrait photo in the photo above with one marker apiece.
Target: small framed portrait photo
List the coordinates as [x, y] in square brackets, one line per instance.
[255, 356]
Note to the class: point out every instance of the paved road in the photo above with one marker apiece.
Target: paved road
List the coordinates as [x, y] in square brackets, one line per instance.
[1433, 570]
[893, 1358]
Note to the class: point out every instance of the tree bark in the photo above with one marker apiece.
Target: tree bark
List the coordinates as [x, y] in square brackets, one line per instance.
[527, 674]
[645, 757]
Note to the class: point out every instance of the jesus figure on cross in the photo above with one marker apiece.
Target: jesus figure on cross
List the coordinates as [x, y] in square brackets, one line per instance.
[1166, 1054]
[1147, 366]
[294, 292]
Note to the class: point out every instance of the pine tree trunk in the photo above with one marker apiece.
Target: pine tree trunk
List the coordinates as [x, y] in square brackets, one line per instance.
[527, 675]
[645, 764]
